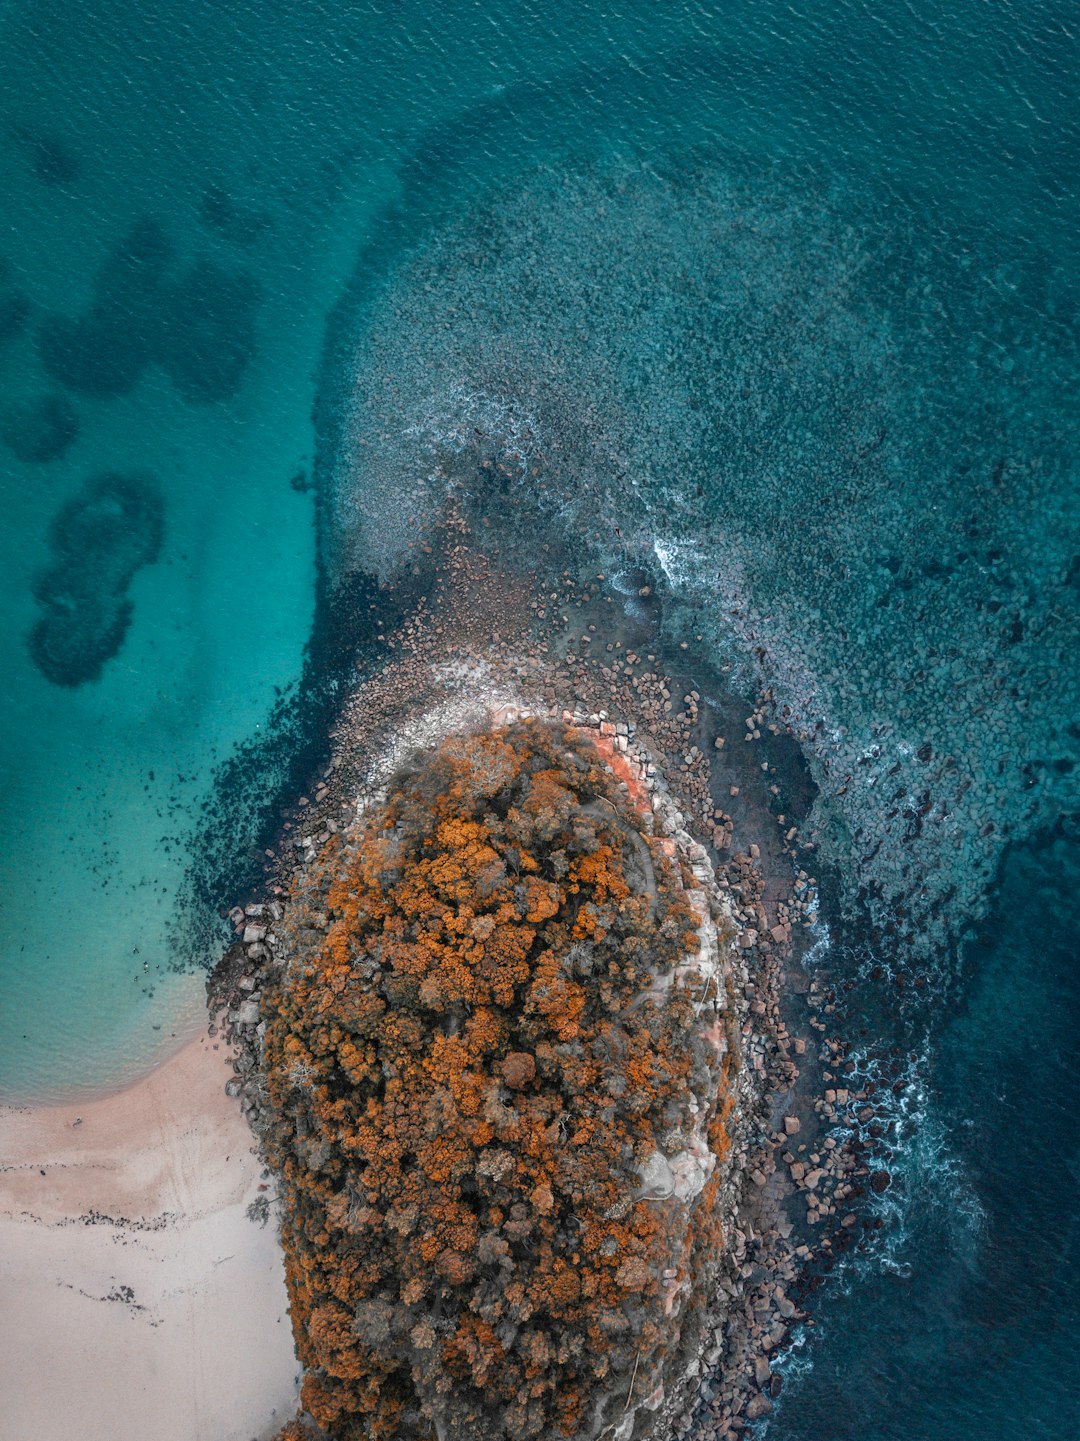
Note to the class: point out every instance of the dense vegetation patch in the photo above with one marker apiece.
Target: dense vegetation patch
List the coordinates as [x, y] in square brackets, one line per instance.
[477, 1047]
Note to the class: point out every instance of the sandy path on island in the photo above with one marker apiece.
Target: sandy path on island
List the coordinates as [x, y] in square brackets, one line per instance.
[167, 1321]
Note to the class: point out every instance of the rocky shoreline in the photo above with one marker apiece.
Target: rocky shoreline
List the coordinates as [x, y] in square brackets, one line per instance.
[485, 642]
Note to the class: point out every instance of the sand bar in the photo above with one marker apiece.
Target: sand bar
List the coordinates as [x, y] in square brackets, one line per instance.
[136, 1296]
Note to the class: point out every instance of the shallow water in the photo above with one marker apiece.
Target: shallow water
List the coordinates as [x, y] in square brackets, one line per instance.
[779, 306]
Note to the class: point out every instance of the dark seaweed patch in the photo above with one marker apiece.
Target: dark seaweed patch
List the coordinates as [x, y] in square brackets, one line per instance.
[50, 158]
[239, 224]
[216, 208]
[208, 331]
[99, 540]
[53, 160]
[104, 352]
[200, 328]
[41, 429]
[14, 313]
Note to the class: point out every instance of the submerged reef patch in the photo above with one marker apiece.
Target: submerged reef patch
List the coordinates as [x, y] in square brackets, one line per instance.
[53, 159]
[14, 313]
[104, 352]
[50, 157]
[200, 328]
[499, 1120]
[208, 331]
[99, 540]
[40, 430]
[14, 306]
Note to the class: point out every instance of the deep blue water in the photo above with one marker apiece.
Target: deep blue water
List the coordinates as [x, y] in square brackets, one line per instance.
[790, 297]
[964, 1323]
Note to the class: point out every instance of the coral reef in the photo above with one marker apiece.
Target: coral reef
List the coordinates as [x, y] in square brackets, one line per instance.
[499, 1120]
[99, 540]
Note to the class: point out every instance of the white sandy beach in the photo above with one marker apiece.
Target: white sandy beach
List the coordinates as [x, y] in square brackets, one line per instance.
[166, 1321]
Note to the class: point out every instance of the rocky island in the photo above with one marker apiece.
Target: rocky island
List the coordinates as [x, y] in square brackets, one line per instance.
[511, 1036]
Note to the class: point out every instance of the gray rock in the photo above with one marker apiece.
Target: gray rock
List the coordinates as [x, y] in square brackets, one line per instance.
[657, 1179]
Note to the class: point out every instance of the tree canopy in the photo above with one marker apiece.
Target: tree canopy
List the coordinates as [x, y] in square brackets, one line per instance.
[476, 1046]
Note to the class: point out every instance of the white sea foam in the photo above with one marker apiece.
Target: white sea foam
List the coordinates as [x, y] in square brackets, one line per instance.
[682, 561]
[818, 952]
[930, 1186]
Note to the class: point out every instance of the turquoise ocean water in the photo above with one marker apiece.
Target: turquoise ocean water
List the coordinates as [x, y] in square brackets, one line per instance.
[790, 297]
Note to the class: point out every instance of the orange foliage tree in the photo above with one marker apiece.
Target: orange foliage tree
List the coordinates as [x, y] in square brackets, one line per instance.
[295, 1430]
[467, 1072]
